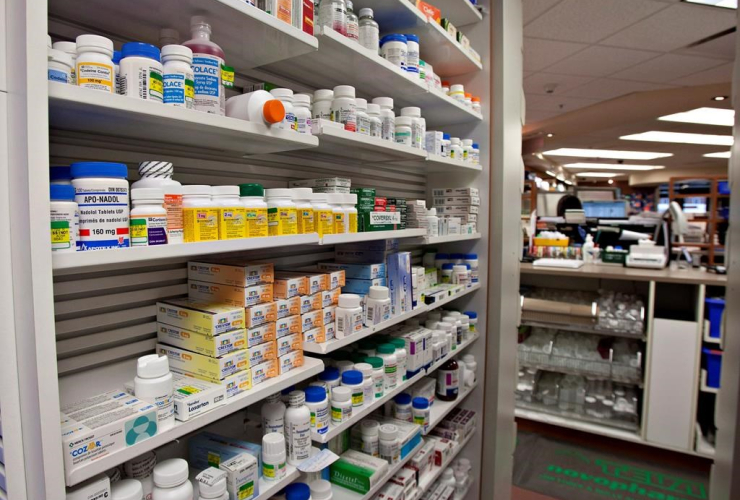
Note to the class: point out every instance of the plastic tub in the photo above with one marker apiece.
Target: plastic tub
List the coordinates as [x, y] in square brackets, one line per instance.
[713, 359]
[723, 187]
[715, 311]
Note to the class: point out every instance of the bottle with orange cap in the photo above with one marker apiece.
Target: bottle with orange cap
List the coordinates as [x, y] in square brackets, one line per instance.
[468, 100]
[476, 104]
[259, 107]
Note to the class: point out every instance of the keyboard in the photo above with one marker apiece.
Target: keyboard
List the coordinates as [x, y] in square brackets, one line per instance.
[566, 263]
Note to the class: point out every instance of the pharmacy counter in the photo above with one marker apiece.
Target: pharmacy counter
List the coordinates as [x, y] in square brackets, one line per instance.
[683, 276]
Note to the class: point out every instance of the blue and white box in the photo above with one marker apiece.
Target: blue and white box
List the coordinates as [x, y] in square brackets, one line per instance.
[399, 282]
[361, 287]
[356, 271]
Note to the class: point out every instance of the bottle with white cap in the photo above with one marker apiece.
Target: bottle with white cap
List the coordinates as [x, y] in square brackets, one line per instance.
[273, 415]
[304, 210]
[69, 48]
[456, 150]
[179, 81]
[154, 384]
[448, 477]
[390, 449]
[343, 107]
[302, 110]
[273, 456]
[171, 481]
[323, 214]
[126, 489]
[298, 428]
[376, 125]
[432, 223]
[377, 305]
[349, 315]
[199, 214]
[212, 484]
[232, 223]
[417, 131]
[158, 174]
[286, 97]
[335, 201]
[321, 490]
[321, 107]
[467, 146]
[363, 120]
[252, 198]
[349, 202]
[94, 64]
[282, 216]
[370, 432]
[387, 118]
[148, 218]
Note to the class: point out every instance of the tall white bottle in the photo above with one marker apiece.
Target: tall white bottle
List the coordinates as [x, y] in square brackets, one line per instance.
[153, 384]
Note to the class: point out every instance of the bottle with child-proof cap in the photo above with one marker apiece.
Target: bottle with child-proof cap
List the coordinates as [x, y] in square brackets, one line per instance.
[376, 125]
[126, 489]
[457, 92]
[467, 147]
[343, 108]
[377, 305]
[393, 48]
[400, 353]
[389, 446]
[273, 456]
[154, 384]
[341, 404]
[148, 217]
[412, 53]
[387, 352]
[318, 405]
[446, 142]
[349, 202]
[211, 484]
[297, 491]
[199, 214]
[286, 97]
[335, 201]
[363, 120]
[321, 108]
[252, 198]
[231, 213]
[378, 374]
[59, 66]
[304, 210]
[420, 411]
[387, 118]
[179, 80]
[65, 218]
[273, 414]
[321, 490]
[417, 131]
[368, 385]
[171, 480]
[404, 131]
[69, 48]
[370, 432]
[402, 407]
[282, 216]
[158, 174]
[141, 72]
[259, 107]
[323, 214]
[349, 315]
[298, 428]
[353, 379]
[94, 64]
[302, 110]
[456, 150]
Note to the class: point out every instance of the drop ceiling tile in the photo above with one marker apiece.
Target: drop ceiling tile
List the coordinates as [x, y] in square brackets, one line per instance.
[607, 88]
[719, 48]
[537, 82]
[534, 8]
[589, 21]
[599, 61]
[536, 115]
[557, 103]
[677, 26]
[718, 74]
[666, 68]
[539, 54]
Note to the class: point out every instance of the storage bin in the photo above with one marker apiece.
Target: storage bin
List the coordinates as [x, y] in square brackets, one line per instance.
[713, 361]
[724, 212]
[547, 242]
[723, 187]
[715, 311]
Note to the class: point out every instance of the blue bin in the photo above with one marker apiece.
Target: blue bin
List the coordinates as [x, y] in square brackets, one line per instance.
[715, 311]
[724, 212]
[713, 362]
[723, 187]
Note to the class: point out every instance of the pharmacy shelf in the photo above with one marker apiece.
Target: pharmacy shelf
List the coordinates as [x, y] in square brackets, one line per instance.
[340, 493]
[454, 353]
[438, 240]
[580, 425]
[249, 36]
[269, 489]
[336, 429]
[581, 329]
[429, 478]
[574, 370]
[338, 239]
[395, 16]
[436, 163]
[79, 260]
[119, 117]
[341, 61]
[704, 387]
[311, 368]
[459, 12]
[447, 57]
[336, 344]
[440, 409]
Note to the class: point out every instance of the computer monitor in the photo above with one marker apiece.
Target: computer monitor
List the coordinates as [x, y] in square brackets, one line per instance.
[605, 209]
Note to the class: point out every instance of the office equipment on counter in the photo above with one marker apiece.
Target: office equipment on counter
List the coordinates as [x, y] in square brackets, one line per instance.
[565, 263]
[647, 255]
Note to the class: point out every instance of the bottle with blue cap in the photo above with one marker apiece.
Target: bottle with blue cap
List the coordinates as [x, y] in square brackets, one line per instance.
[353, 380]
[60, 174]
[297, 491]
[394, 49]
[446, 144]
[117, 70]
[141, 72]
[65, 218]
[412, 53]
[318, 405]
[101, 192]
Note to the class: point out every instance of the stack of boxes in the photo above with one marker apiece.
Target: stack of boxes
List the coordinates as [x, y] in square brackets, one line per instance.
[457, 209]
[378, 213]
[417, 215]
[398, 205]
[325, 185]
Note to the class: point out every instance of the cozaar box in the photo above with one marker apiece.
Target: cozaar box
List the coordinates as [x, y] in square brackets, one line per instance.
[192, 396]
[200, 317]
[229, 273]
[207, 345]
[204, 367]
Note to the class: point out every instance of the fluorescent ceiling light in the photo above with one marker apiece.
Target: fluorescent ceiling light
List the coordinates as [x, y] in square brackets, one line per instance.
[727, 4]
[612, 166]
[551, 173]
[607, 154]
[703, 116]
[596, 174]
[723, 154]
[680, 137]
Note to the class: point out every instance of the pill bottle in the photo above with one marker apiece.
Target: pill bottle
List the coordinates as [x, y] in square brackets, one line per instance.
[445, 87]
[475, 101]
[298, 428]
[460, 275]
[402, 407]
[273, 415]
[179, 80]
[258, 107]
[349, 207]
[101, 193]
[141, 468]
[302, 111]
[211, 484]
[378, 365]
[471, 259]
[199, 214]
[349, 314]
[468, 100]
[467, 146]
[369, 30]
[318, 405]
[117, 71]
[368, 385]
[286, 97]
[448, 478]
[423, 137]
[429, 75]
[69, 48]
[341, 404]
[154, 384]
[387, 118]
[412, 53]
[297, 491]
[457, 92]
[333, 14]
[227, 77]
[94, 63]
[343, 365]
[457, 316]
[387, 352]
[393, 48]
[437, 346]
[304, 210]
[126, 489]
[400, 354]
[343, 108]
[404, 134]
[330, 377]
[335, 200]
[321, 108]
[461, 483]
[377, 306]
[321, 490]
[352, 26]
[465, 320]
[207, 60]
[231, 212]
[141, 72]
[473, 320]
[446, 275]
[158, 174]
[363, 119]
[148, 217]
[475, 154]
[450, 326]
[376, 125]
[60, 66]
[171, 480]
[252, 198]
[282, 217]
[370, 432]
[273, 456]
[390, 447]
[432, 223]
[353, 379]
[65, 218]
[420, 411]
[366, 347]
[417, 131]
[446, 143]
[470, 364]
[456, 150]
[448, 382]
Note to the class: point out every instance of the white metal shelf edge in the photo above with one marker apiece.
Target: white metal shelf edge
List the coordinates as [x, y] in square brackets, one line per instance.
[438, 240]
[338, 239]
[268, 489]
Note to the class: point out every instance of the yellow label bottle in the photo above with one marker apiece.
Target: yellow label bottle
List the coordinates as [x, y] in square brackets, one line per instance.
[339, 222]
[232, 223]
[282, 217]
[324, 221]
[352, 222]
[306, 222]
[255, 210]
[199, 215]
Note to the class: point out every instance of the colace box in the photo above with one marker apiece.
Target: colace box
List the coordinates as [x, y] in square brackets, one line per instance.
[200, 317]
[231, 273]
[230, 295]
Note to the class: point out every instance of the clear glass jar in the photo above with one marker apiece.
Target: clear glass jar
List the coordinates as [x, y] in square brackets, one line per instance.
[369, 30]
[352, 26]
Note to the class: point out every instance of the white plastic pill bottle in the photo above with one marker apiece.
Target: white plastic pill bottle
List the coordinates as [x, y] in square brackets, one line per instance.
[141, 468]
[65, 218]
[258, 107]
[60, 66]
[211, 484]
[148, 218]
[304, 210]
[141, 72]
[341, 404]
[420, 411]
[387, 352]
[446, 143]
[117, 72]
[321, 489]
[417, 131]
[321, 108]
[390, 448]
[456, 150]
[353, 379]
[199, 214]
[232, 224]
[349, 207]
[286, 97]
[457, 91]
[298, 428]
[368, 385]
[475, 154]
[467, 145]
[179, 80]
[370, 432]
[282, 216]
[363, 119]
[377, 305]
[401, 356]
[432, 223]
[302, 110]
[94, 63]
[349, 315]
[154, 384]
[378, 374]
[393, 48]
[473, 320]
[343, 365]
[376, 125]
[273, 456]
[404, 131]
[127, 489]
[323, 214]
[387, 118]
[273, 415]
[318, 405]
[402, 407]
[343, 108]
[171, 481]
[252, 197]
[101, 193]
[158, 174]
[412, 53]
[69, 48]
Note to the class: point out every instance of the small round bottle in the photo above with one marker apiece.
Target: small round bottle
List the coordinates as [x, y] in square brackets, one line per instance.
[297, 491]
[252, 198]
[400, 354]
[456, 150]
[368, 385]
[94, 64]
[323, 214]
[302, 110]
[65, 218]
[273, 456]
[387, 118]
[148, 217]
[321, 490]
[304, 210]
[349, 206]
[387, 352]
[420, 411]
[330, 377]
[298, 428]
[232, 222]
[200, 215]
[273, 415]
[353, 379]
[69, 48]
[141, 72]
[378, 374]
[363, 119]
[127, 489]
[377, 306]
[210, 489]
[282, 216]
[171, 480]
[448, 477]
[321, 108]
[341, 404]
[370, 432]
[448, 383]
[376, 125]
[334, 200]
[402, 407]
[404, 131]
[154, 384]
[286, 97]
[343, 108]
[179, 89]
[318, 405]
[390, 448]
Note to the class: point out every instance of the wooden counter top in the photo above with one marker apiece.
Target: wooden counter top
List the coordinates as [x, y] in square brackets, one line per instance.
[687, 276]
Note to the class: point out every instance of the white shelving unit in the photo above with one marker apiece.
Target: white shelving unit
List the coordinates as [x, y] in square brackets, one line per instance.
[451, 238]
[269, 489]
[338, 239]
[429, 478]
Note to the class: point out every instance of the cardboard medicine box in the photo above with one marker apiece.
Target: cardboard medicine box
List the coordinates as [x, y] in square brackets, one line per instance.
[207, 345]
[204, 367]
[230, 295]
[200, 317]
[288, 307]
[231, 273]
[260, 314]
[287, 326]
[261, 334]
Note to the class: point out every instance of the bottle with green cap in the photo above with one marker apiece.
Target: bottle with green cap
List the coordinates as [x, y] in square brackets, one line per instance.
[400, 346]
[252, 197]
[227, 76]
[367, 347]
[387, 352]
[378, 374]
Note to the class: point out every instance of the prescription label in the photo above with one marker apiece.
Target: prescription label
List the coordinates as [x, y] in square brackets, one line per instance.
[282, 221]
[208, 89]
[257, 225]
[324, 222]
[148, 230]
[232, 223]
[96, 76]
[339, 226]
[104, 218]
[60, 235]
[306, 221]
[173, 205]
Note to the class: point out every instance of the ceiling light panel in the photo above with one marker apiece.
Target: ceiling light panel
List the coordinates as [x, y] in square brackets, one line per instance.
[727, 4]
[703, 116]
[723, 154]
[596, 174]
[680, 138]
[612, 166]
[607, 154]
